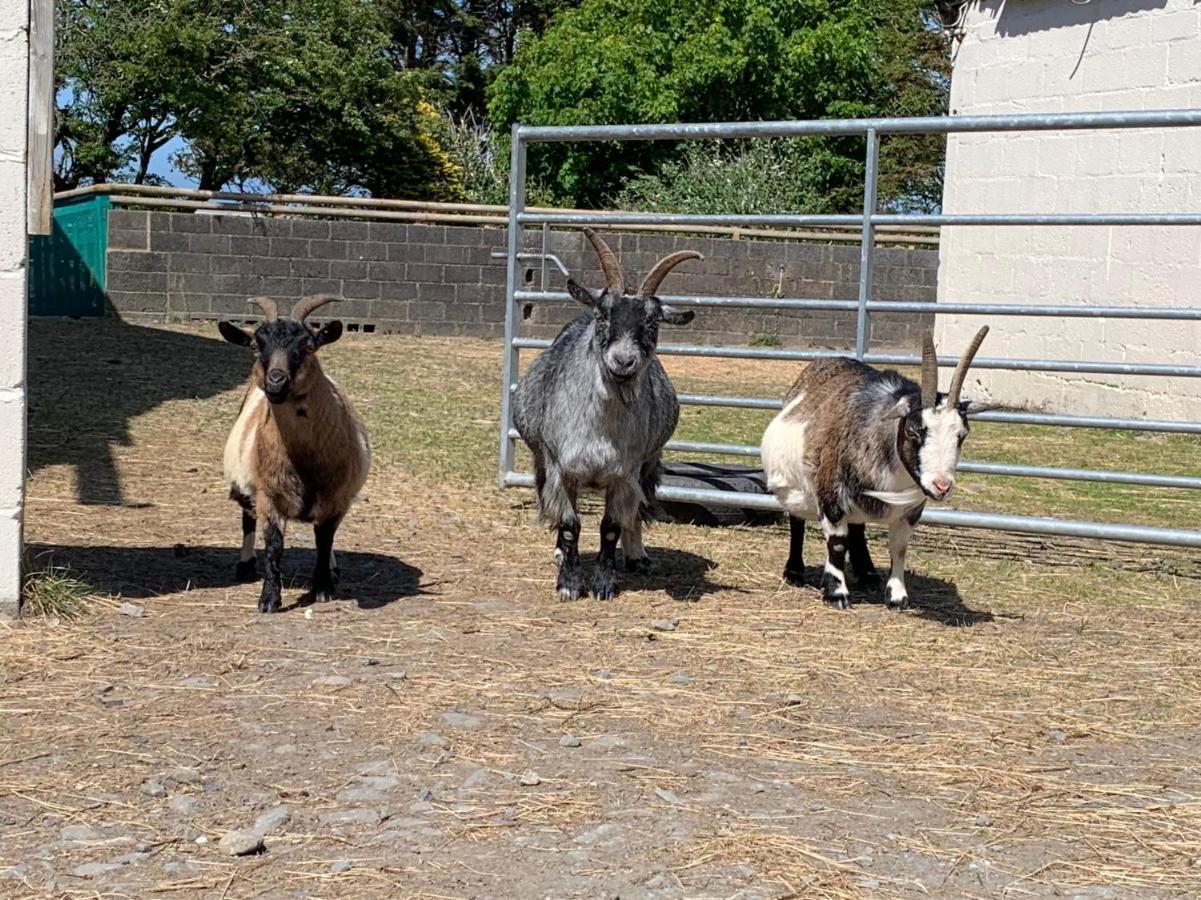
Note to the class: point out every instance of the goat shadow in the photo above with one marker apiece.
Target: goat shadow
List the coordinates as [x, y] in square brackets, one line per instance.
[930, 598]
[88, 380]
[372, 580]
[682, 575]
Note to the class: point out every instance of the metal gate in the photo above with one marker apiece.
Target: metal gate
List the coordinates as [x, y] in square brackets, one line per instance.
[871, 129]
[67, 267]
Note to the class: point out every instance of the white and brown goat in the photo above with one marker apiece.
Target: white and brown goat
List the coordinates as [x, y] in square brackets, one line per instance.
[854, 445]
[297, 450]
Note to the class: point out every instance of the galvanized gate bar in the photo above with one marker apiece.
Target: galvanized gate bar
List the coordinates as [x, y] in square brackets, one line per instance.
[978, 467]
[907, 306]
[512, 279]
[868, 222]
[900, 359]
[801, 221]
[1169, 118]
[1138, 534]
[1166, 426]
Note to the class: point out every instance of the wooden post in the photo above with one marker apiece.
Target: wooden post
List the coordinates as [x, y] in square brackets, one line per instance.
[41, 116]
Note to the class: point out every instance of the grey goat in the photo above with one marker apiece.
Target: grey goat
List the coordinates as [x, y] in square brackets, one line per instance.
[596, 409]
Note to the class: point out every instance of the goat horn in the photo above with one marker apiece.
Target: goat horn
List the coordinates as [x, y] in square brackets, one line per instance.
[964, 364]
[614, 280]
[655, 277]
[267, 305]
[929, 371]
[306, 305]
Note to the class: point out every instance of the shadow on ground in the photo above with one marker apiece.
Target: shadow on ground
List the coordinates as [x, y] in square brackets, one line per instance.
[88, 379]
[371, 580]
[929, 598]
[682, 575]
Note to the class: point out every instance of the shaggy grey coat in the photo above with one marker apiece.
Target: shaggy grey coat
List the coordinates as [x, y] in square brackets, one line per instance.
[586, 431]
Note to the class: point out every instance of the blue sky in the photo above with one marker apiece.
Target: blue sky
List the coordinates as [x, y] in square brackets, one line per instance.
[160, 165]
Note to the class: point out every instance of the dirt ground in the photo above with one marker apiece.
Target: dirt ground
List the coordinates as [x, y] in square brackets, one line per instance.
[447, 728]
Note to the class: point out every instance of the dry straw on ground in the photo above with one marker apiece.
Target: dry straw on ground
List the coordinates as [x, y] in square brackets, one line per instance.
[1029, 729]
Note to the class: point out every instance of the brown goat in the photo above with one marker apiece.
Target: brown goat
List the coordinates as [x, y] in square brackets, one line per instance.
[297, 450]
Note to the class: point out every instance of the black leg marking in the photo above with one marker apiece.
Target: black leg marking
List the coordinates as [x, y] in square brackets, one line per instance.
[862, 566]
[834, 579]
[604, 579]
[570, 583]
[269, 599]
[324, 580]
[794, 569]
[247, 569]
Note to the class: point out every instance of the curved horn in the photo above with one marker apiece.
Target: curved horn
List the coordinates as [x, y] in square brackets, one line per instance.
[267, 305]
[614, 280]
[929, 371]
[305, 305]
[655, 277]
[964, 364]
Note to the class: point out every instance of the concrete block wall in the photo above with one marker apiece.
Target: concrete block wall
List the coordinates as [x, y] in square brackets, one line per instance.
[14, 81]
[439, 280]
[1025, 56]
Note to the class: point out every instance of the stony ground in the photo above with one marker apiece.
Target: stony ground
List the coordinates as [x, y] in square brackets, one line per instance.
[448, 729]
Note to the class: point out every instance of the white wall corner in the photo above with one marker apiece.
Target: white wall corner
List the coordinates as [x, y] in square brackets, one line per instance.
[1050, 55]
[14, 100]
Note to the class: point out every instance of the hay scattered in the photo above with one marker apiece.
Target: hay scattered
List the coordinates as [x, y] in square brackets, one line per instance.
[1028, 728]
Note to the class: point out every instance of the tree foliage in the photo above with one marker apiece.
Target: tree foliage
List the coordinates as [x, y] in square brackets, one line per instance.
[324, 95]
[387, 97]
[617, 61]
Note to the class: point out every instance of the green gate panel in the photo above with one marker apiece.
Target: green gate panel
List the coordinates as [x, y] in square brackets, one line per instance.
[67, 268]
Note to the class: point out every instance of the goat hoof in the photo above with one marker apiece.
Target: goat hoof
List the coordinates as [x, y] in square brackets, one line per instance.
[639, 566]
[323, 588]
[247, 571]
[795, 577]
[838, 601]
[269, 603]
[570, 584]
[896, 602]
[604, 584]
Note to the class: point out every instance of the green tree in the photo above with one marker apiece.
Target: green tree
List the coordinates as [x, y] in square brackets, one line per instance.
[298, 94]
[619, 61]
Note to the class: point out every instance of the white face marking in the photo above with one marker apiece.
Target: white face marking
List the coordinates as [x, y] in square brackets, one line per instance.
[938, 457]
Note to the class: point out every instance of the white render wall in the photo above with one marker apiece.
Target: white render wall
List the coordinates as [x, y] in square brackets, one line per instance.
[1058, 56]
[14, 76]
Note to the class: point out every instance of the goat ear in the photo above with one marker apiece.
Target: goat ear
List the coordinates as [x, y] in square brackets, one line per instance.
[581, 294]
[972, 407]
[673, 316]
[904, 406]
[329, 333]
[234, 334]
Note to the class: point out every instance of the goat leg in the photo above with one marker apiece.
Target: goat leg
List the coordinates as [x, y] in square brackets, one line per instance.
[895, 593]
[604, 579]
[247, 569]
[636, 558]
[794, 569]
[570, 583]
[834, 579]
[324, 579]
[862, 566]
[269, 599]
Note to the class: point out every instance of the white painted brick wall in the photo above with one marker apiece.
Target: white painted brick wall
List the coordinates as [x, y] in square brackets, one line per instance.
[14, 56]
[1057, 56]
